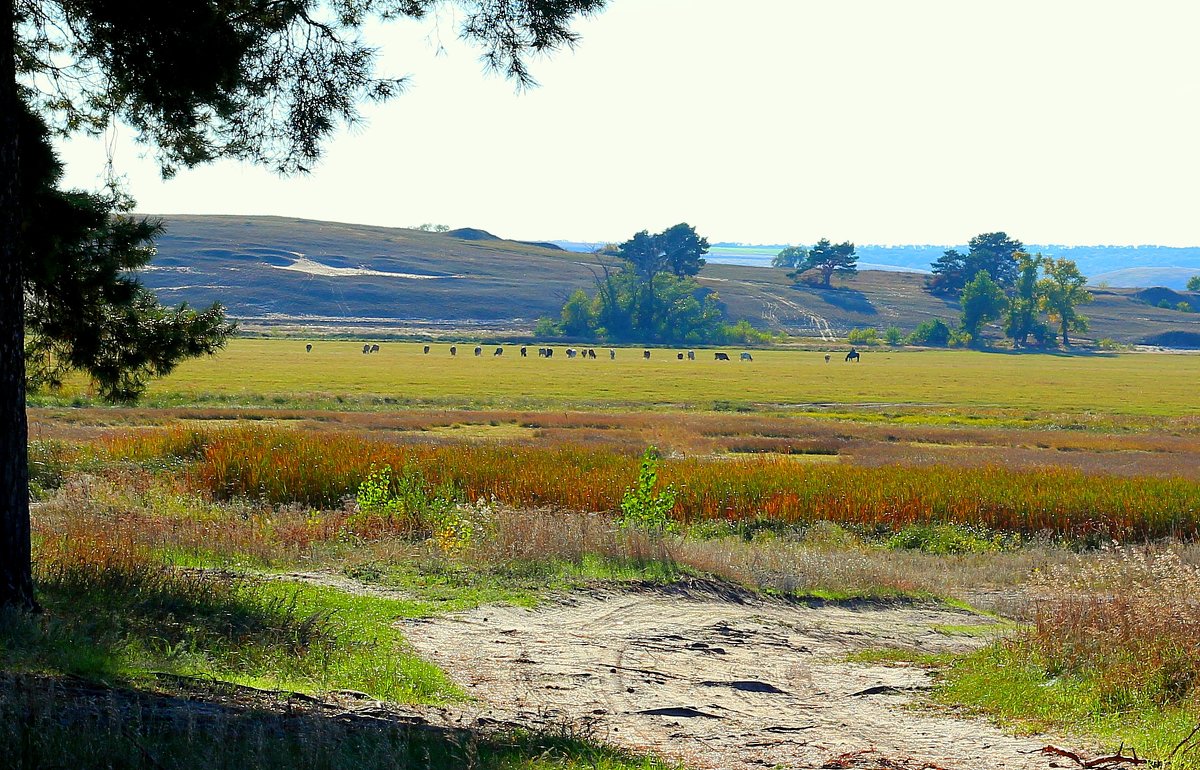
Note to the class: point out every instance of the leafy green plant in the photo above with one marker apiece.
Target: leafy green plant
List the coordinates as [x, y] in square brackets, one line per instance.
[950, 538]
[644, 509]
[863, 336]
[893, 335]
[405, 500]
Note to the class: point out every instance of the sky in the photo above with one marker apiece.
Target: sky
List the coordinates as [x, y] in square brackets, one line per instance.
[763, 121]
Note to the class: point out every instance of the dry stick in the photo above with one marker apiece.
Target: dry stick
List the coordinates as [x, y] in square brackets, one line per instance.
[1184, 742]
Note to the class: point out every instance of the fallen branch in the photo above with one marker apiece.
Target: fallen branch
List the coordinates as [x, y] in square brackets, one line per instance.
[1096, 763]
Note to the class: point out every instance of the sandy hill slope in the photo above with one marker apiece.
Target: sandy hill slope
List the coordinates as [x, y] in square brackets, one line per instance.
[302, 272]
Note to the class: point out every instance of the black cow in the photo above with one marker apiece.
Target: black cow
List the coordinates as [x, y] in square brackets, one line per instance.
[366, 349]
[591, 353]
[826, 358]
[747, 357]
[612, 355]
[720, 356]
[691, 355]
[478, 351]
[374, 348]
[454, 350]
[308, 348]
[524, 352]
[499, 352]
[646, 354]
[426, 350]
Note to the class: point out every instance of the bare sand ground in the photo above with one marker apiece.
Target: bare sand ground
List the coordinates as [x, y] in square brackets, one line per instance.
[718, 677]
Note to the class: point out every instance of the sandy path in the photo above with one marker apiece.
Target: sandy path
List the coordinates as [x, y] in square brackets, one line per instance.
[719, 678]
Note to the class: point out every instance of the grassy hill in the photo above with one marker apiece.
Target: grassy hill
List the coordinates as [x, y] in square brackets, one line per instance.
[281, 272]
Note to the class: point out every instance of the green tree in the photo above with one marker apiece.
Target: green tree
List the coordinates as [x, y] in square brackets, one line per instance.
[791, 257]
[827, 259]
[982, 300]
[1021, 317]
[994, 253]
[678, 250]
[1062, 291]
[1193, 283]
[256, 80]
[577, 315]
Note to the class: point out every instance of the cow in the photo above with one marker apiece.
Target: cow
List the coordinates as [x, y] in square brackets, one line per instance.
[572, 352]
[499, 352]
[478, 351]
[308, 348]
[426, 350]
[746, 357]
[720, 356]
[374, 348]
[646, 354]
[454, 350]
[541, 352]
[853, 355]
[549, 352]
[591, 354]
[612, 355]
[366, 349]
[679, 356]
[691, 355]
[826, 358]
[524, 352]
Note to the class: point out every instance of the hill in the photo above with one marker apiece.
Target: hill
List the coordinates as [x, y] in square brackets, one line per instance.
[282, 272]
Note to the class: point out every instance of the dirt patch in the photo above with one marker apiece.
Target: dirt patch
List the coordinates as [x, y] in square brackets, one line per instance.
[719, 678]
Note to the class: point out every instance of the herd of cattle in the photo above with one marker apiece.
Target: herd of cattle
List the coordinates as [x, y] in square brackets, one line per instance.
[368, 348]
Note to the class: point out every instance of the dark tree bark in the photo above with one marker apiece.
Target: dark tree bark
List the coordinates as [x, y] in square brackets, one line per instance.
[16, 582]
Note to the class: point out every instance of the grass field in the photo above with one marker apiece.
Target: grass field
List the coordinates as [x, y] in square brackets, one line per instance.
[337, 374]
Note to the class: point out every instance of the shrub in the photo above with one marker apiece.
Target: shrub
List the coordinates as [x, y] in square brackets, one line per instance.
[950, 538]
[863, 337]
[547, 328]
[893, 335]
[642, 508]
[932, 332]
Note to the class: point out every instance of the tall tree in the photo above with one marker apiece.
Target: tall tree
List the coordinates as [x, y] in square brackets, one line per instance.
[827, 259]
[991, 252]
[258, 80]
[1021, 317]
[982, 301]
[1062, 292]
[678, 250]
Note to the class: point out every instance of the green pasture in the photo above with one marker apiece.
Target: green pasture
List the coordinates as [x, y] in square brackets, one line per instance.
[280, 371]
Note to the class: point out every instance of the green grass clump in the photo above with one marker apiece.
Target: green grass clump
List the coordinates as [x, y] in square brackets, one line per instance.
[943, 539]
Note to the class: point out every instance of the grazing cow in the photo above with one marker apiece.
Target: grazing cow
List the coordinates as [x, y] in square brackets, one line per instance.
[612, 355]
[499, 352]
[478, 351]
[591, 353]
[720, 356]
[853, 355]
[679, 356]
[454, 350]
[524, 352]
[826, 358]
[572, 352]
[646, 354]
[426, 351]
[541, 352]
[366, 349]
[374, 348]
[549, 352]
[691, 355]
[308, 348]
[747, 357]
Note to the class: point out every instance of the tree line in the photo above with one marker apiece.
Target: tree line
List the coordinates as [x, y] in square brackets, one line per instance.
[995, 280]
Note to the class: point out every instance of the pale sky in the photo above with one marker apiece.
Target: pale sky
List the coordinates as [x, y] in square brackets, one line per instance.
[766, 121]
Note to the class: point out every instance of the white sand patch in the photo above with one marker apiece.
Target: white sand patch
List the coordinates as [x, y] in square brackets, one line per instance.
[312, 267]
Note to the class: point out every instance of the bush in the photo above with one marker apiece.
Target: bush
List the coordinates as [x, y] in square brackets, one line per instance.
[547, 328]
[893, 335]
[743, 333]
[950, 538]
[641, 508]
[863, 337]
[933, 332]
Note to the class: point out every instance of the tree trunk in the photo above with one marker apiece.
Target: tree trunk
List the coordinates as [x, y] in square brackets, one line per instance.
[16, 582]
[1066, 339]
